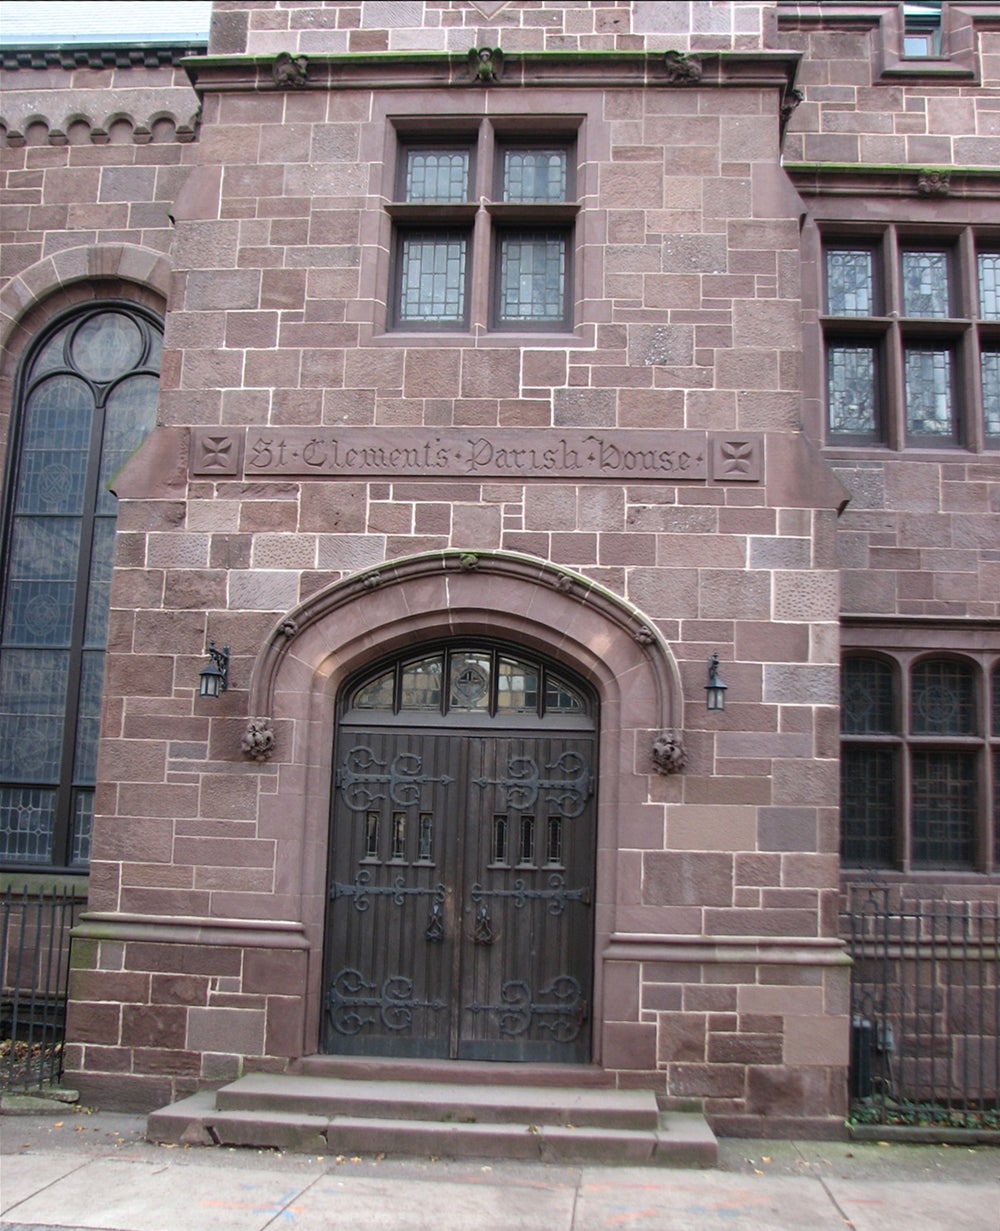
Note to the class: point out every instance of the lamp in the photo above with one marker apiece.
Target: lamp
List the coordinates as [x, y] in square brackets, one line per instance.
[715, 690]
[215, 676]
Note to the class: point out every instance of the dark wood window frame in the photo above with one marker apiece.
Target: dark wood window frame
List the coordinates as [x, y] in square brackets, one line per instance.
[485, 220]
[964, 335]
[879, 777]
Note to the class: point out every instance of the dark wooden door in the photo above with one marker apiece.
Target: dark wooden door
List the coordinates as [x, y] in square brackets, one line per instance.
[459, 918]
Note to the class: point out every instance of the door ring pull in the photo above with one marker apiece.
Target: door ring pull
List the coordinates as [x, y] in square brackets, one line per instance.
[483, 932]
[434, 932]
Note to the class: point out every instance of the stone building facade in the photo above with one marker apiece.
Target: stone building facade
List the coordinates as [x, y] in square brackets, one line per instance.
[517, 360]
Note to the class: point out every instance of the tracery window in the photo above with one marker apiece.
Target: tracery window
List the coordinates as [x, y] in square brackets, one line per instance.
[920, 761]
[85, 399]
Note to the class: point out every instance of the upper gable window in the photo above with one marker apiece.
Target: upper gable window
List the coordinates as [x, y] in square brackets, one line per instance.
[483, 232]
[922, 30]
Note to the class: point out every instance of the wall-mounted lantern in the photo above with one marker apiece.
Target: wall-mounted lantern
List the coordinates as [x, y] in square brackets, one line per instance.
[215, 675]
[715, 690]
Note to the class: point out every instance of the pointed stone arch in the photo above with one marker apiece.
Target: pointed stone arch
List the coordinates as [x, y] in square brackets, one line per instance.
[496, 595]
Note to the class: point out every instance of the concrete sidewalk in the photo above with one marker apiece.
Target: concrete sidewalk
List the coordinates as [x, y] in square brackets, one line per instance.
[96, 1171]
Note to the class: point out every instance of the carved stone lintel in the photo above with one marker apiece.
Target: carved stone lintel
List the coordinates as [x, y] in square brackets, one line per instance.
[290, 71]
[486, 64]
[669, 753]
[682, 69]
[258, 740]
[934, 183]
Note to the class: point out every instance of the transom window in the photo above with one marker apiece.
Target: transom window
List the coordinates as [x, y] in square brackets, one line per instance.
[505, 263]
[920, 763]
[85, 400]
[465, 681]
[912, 331]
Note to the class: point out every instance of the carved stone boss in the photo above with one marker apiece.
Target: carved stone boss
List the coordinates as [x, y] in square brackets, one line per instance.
[530, 453]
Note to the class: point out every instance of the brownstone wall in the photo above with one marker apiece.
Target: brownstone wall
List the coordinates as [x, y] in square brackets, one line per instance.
[719, 974]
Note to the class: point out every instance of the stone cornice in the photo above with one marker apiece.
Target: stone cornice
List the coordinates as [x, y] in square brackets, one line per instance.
[558, 69]
[865, 180]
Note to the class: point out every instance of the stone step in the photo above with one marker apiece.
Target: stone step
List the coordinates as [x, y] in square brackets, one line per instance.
[679, 1139]
[441, 1101]
[455, 1072]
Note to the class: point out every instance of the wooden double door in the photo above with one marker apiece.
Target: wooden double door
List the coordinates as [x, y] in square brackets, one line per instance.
[459, 914]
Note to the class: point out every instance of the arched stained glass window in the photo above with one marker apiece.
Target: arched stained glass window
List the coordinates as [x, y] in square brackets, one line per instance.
[86, 399]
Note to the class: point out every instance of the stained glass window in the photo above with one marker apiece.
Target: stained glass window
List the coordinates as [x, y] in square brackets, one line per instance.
[86, 399]
[925, 284]
[850, 282]
[851, 390]
[929, 404]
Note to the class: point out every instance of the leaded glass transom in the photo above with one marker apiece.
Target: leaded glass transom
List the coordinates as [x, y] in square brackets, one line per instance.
[925, 284]
[86, 399]
[866, 703]
[943, 698]
[479, 682]
[850, 282]
[851, 389]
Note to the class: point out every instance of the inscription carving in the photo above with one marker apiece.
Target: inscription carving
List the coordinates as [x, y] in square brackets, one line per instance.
[571, 453]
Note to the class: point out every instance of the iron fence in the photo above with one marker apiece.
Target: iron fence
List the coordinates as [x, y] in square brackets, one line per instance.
[35, 943]
[925, 1006]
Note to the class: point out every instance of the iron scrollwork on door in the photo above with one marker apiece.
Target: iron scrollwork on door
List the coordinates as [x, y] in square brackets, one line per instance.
[556, 895]
[358, 776]
[362, 891]
[350, 995]
[570, 786]
[562, 1016]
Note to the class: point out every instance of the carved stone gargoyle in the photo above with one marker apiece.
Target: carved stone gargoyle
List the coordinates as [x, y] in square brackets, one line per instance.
[290, 71]
[486, 64]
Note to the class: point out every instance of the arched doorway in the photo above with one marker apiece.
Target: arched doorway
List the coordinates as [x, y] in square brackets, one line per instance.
[460, 891]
